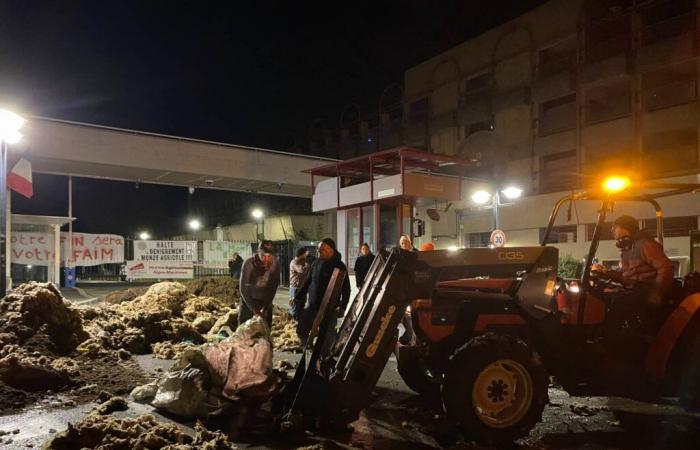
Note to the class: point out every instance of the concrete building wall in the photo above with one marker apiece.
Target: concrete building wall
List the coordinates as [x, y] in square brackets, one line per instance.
[556, 97]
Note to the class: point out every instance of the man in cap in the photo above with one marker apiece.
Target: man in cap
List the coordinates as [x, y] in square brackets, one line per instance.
[260, 277]
[316, 283]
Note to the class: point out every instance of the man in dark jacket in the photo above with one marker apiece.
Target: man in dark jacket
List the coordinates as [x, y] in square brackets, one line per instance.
[234, 266]
[316, 283]
[362, 264]
[260, 277]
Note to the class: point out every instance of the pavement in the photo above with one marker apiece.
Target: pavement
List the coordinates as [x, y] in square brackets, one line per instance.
[398, 418]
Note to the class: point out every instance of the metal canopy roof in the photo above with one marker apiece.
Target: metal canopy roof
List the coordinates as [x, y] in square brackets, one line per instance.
[94, 151]
[392, 161]
[24, 219]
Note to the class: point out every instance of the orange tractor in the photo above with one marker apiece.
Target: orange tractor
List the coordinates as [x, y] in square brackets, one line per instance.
[490, 325]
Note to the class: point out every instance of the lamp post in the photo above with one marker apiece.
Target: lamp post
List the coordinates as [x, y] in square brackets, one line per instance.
[10, 124]
[483, 197]
[259, 216]
[194, 225]
[144, 235]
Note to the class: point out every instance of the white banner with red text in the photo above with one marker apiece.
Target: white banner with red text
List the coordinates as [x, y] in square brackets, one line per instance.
[87, 249]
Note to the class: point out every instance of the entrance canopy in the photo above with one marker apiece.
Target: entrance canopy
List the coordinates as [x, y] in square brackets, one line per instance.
[93, 151]
[398, 172]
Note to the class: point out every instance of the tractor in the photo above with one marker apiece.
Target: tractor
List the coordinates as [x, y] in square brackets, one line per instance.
[489, 326]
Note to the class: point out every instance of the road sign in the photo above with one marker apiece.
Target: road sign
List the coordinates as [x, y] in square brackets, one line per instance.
[498, 238]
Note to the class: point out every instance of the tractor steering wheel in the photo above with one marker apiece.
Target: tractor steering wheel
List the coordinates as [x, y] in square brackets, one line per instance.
[599, 283]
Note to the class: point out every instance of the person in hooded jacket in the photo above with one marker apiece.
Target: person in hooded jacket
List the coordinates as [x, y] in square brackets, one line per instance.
[315, 286]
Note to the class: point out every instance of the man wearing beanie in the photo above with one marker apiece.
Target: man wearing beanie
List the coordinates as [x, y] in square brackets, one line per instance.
[644, 267]
[260, 277]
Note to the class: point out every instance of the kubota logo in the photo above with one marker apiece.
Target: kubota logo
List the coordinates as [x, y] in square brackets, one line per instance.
[511, 256]
[374, 346]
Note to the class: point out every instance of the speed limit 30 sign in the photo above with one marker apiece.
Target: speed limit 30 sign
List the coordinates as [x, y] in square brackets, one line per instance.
[498, 238]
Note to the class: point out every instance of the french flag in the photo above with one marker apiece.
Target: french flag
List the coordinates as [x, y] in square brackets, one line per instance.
[20, 177]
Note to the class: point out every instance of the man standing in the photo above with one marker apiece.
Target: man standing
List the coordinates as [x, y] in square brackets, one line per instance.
[315, 285]
[234, 266]
[298, 269]
[406, 244]
[260, 277]
[362, 264]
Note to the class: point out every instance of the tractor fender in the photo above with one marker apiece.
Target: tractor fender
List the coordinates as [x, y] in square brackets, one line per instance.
[666, 339]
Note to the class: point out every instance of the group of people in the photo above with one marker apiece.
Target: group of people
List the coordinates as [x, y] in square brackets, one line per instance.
[259, 278]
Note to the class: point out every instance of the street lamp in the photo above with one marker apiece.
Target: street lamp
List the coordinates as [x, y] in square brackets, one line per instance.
[10, 124]
[483, 197]
[144, 235]
[195, 224]
[259, 216]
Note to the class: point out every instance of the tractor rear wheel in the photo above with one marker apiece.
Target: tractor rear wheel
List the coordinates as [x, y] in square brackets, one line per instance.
[689, 392]
[495, 389]
[415, 373]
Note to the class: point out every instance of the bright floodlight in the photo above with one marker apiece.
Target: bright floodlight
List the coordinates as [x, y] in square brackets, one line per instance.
[616, 184]
[144, 236]
[481, 197]
[453, 248]
[257, 214]
[512, 192]
[195, 224]
[10, 124]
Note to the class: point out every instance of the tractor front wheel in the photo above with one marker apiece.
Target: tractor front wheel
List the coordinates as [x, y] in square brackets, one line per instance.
[495, 389]
[415, 373]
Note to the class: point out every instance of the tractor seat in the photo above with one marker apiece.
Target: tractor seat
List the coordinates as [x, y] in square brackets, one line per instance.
[498, 285]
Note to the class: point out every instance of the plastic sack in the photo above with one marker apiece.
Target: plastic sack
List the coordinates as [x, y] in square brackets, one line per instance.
[185, 393]
[242, 362]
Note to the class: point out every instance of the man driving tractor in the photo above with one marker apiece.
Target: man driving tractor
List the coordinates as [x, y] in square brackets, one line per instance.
[645, 272]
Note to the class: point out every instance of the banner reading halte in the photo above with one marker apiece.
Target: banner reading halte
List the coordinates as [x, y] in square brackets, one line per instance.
[162, 251]
[88, 249]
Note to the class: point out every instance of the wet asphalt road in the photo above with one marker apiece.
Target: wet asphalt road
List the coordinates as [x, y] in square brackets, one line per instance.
[398, 419]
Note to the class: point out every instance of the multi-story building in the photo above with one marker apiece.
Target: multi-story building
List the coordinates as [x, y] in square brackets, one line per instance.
[550, 101]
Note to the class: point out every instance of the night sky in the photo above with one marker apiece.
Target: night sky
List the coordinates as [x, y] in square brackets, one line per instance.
[250, 73]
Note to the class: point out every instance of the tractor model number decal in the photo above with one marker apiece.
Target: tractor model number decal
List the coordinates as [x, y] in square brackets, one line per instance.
[372, 348]
[511, 256]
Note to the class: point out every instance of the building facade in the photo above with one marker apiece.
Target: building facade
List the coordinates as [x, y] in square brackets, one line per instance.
[549, 102]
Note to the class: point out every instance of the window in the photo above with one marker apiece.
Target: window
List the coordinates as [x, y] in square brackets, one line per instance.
[670, 86]
[608, 101]
[669, 151]
[605, 231]
[559, 172]
[479, 239]
[673, 226]
[418, 110]
[667, 19]
[484, 125]
[478, 83]
[557, 115]
[560, 234]
[557, 58]
[608, 36]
